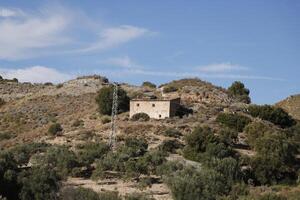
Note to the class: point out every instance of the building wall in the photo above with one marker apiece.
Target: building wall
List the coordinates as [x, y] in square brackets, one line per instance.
[155, 109]
[174, 105]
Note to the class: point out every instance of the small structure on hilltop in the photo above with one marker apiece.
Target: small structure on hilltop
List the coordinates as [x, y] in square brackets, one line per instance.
[155, 108]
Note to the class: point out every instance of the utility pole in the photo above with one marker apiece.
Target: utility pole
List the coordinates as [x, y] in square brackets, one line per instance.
[114, 113]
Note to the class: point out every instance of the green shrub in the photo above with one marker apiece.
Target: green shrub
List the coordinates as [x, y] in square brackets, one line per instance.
[233, 121]
[271, 196]
[55, 129]
[228, 136]
[202, 144]
[148, 84]
[170, 146]
[171, 132]
[238, 90]
[105, 119]
[196, 184]
[2, 102]
[23, 153]
[168, 168]
[140, 117]
[273, 114]
[48, 84]
[59, 85]
[137, 196]
[89, 152]
[168, 89]
[80, 193]
[104, 100]
[77, 123]
[9, 186]
[109, 196]
[256, 130]
[59, 159]
[39, 184]
[275, 160]
[6, 135]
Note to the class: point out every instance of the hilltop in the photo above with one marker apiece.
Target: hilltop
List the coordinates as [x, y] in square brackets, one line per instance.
[291, 105]
[151, 154]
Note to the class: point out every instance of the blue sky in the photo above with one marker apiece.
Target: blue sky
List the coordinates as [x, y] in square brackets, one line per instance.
[254, 41]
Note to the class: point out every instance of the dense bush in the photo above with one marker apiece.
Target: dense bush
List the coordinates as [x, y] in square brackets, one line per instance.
[59, 159]
[275, 160]
[39, 184]
[168, 89]
[170, 146]
[234, 121]
[195, 184]
[117, 160]
[9, 186]
[256, 130]
[104, 100]
[237, 89]
[140, 117]
[23, 153]
[148, 84]
[55, 129]
[273, 114]
[203, 144]
[228, 136]
[171, 132]
[89, 152]
[130, 159]
[79, 193]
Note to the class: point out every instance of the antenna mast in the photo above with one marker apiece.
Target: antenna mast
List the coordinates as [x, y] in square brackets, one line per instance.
[114, 112]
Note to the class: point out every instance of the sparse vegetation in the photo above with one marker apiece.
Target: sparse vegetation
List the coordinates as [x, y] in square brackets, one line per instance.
[172, 133]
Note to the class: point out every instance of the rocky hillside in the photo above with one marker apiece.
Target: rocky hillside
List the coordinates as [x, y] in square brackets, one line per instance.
[80, 145]
[31, 108]
[291, 105]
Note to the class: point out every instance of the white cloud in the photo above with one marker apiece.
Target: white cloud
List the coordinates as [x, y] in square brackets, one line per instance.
[7, 12]
[25, 35]
[36, 74]
[115, 36]
[57, 30]
[123, 62]
[221, 68]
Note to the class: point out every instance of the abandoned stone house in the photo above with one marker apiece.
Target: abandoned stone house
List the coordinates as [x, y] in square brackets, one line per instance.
[155, 108]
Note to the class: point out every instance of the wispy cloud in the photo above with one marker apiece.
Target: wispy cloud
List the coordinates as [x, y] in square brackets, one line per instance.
[115, 36]
[25, 35]
[123, 62]
[36, 74]
[221, 68]
[8, 12]
[58, 30]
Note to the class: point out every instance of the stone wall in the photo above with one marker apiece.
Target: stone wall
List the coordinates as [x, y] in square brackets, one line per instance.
[156, 109]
